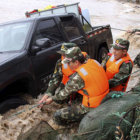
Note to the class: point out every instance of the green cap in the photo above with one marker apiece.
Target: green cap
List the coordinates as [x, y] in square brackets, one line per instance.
[121, 44]
[66, 46]
[72, 54]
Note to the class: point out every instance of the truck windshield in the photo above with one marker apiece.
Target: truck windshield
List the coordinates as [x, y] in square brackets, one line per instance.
[12, 36]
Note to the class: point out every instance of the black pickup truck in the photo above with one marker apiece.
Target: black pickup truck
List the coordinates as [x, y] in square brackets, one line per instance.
[28, 52]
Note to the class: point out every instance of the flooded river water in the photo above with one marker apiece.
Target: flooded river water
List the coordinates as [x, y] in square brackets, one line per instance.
[118, 14]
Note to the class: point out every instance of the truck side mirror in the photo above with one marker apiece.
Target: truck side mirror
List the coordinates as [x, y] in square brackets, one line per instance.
[40, 44]
[43, 42]
[35, 49]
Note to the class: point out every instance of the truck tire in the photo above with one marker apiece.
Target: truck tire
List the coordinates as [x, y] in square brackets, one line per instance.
[11, 103]
[102, 54]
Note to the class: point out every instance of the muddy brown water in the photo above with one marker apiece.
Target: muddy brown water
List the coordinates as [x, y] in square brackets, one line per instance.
[122, 15]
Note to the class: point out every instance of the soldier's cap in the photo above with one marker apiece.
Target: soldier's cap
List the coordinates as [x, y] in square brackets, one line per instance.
[121, 44]
[72, 54]
[66, 46]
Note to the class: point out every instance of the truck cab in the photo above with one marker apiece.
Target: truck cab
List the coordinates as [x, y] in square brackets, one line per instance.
[29, 48]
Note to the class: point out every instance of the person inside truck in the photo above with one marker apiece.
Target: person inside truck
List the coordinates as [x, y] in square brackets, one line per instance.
[61, 74]
[118, 65]
[89, 80]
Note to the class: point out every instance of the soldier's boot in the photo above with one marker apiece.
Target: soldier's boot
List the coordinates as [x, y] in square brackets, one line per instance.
[54, 125]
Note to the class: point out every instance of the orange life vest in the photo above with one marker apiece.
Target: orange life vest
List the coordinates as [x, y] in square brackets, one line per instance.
[67, 71]
[96, 83]
[112, 68]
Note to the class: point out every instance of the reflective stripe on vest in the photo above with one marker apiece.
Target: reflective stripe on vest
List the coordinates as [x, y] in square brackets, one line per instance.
[112, 68]
[96, 83]
[67, 71]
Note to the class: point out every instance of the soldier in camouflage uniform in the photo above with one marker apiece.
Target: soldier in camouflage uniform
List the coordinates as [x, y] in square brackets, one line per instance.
[55, 84]
[56, 79]
[75, 112]
[125, 68]
[137, 60]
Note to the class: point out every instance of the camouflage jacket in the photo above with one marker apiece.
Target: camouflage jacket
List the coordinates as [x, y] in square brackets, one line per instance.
[121, 76]
[74, 84]
[56, 79]
[137, 60]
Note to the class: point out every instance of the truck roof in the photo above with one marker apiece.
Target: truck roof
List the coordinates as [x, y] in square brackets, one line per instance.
[53, 10]
[35, 18]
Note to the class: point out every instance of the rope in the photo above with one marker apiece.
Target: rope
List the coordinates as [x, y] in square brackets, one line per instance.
[119, 29]
[24, 110]
[127, 114]
[133, 31]
[130, 33]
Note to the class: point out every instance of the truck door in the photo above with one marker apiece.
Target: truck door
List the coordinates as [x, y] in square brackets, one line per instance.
[44, 60]
[73, 32]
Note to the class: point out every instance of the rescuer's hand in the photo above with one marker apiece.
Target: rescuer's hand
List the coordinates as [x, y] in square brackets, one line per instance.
[43, 100]
[49, 101]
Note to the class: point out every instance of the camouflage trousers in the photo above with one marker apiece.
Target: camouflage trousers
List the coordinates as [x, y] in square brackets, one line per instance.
[73, 113]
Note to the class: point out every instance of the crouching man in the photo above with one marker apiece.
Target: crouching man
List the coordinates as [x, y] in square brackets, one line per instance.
[89, 80]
